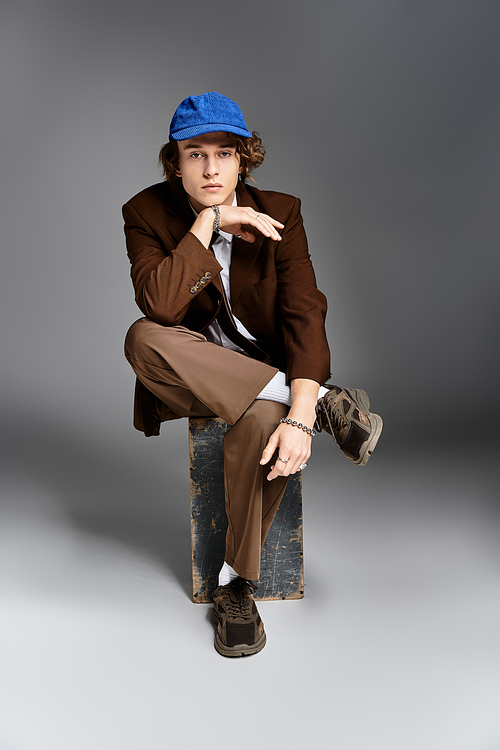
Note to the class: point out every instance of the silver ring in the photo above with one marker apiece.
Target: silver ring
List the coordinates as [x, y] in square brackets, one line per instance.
[302, 466]
[283, 460]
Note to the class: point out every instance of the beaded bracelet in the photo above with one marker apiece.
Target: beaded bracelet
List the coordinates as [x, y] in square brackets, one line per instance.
[309, 430]
[216, 211]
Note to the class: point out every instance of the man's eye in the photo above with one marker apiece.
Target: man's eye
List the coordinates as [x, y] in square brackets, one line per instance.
[225, 153]
[195, 155]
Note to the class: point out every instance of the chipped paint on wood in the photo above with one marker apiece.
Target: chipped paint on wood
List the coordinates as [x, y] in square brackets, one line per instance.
[282, 555]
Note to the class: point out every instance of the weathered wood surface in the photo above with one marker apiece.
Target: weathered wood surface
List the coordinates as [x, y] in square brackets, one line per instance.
[282, 574]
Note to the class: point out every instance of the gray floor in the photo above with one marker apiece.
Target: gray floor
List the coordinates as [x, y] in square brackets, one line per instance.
[395, 646]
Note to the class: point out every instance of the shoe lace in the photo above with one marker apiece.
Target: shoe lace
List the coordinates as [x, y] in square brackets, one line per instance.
[238, 605]
[336, 422]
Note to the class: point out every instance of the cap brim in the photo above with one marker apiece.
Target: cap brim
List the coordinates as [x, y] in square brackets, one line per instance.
[193, 132]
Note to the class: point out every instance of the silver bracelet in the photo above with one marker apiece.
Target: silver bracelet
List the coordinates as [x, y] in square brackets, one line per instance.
[309, 430]
[216, 211]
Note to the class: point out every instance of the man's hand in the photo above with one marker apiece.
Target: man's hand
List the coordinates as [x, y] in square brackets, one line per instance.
[233, 219]
[293, 444]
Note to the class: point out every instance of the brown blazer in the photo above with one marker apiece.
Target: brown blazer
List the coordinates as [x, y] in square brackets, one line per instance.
[273, 287]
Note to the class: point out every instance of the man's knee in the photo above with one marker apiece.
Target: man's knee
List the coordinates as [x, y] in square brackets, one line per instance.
[137, 340]
[260, 420]
[145, 337]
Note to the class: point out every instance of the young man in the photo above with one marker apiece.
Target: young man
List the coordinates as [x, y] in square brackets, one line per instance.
[234, 328]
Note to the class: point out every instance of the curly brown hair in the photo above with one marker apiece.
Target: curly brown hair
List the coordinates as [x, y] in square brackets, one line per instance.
[251, 153]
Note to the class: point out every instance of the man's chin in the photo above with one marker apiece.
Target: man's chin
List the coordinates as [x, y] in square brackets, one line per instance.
[218, 198]
[213, 199]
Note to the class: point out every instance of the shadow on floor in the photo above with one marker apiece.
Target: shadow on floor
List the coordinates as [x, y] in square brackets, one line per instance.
[127, 488]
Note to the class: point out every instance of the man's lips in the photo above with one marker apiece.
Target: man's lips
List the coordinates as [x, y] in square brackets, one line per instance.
[212, 186]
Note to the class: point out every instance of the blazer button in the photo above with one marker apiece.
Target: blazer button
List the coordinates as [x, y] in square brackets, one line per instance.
[198, 285]
[203, 280]
[208, 275]
[193, 290]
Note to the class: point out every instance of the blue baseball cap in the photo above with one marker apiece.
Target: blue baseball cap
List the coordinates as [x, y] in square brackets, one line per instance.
[207, 113]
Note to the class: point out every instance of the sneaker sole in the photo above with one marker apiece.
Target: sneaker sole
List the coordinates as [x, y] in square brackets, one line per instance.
[362, 401]
[369, 446]
[242, 649]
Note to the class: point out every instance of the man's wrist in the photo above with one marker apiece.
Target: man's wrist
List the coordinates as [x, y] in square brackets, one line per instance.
[216, 211]
[310, 430]
[203, 226]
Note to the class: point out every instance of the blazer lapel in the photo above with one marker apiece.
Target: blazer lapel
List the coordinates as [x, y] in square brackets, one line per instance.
[243, 254]
[180, 217]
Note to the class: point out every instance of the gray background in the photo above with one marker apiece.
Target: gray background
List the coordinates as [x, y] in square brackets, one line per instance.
[384, 118]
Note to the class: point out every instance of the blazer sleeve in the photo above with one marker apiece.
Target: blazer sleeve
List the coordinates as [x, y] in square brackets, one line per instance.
[166, 277]
[302, 306]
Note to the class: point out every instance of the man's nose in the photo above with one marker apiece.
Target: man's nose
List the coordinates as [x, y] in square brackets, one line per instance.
[211, 167]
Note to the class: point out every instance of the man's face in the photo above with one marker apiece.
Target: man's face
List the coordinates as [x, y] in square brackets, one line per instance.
[209, 167]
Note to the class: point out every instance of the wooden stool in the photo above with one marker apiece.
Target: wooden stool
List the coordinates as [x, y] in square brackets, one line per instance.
[282, 574]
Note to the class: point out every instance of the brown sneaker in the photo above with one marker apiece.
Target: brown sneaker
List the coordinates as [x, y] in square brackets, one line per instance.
[240, 631]
[344, 413]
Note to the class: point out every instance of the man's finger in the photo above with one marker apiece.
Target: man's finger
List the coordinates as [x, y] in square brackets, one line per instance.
[264, 217]
[247, 237]
[275, 472]
[268, 451]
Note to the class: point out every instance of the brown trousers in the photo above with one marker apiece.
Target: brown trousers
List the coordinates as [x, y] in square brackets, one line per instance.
[196, 378]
